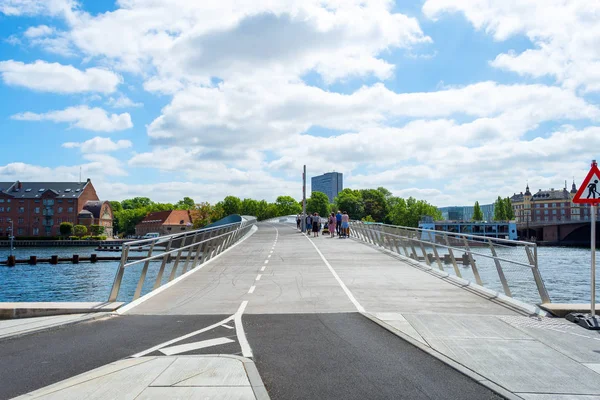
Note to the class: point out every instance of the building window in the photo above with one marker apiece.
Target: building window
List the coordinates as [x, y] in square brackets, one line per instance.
[8, 200]
[59, 201]
[21, 209]
[553, 212]
[60, 209]
[21, 220]
[70, 209]
[563, 212]
[545, 205]
[1, 209]
[537, 212]
[48, 202]
[36, 231]
[1, 220]
[546, 212]
[37, 210]
[7, 209]
[1, 200]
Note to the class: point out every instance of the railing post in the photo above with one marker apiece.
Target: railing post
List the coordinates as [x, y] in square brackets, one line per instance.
[437, 257]
[140, 285]
[536, 274]
[472, 262]
[500, 271]
[114, 293]
[176, 263]
[163, 264]
[451, 253]
[189, 255]
[424, 253]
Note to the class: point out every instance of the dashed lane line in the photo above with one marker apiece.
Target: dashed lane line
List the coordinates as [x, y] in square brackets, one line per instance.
[251, 289]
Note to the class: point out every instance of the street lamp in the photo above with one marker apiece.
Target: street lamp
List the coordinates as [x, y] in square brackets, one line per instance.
[12, 236]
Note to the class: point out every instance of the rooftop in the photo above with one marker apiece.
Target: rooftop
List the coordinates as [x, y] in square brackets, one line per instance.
[33, 190]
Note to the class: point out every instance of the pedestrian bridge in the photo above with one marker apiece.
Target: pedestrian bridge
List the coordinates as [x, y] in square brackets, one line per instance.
[257, 310]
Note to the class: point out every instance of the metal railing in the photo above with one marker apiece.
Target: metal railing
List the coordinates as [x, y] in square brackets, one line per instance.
[187, 249]
[507, 266]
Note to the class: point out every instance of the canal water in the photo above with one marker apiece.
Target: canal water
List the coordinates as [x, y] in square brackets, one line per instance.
[566, 273]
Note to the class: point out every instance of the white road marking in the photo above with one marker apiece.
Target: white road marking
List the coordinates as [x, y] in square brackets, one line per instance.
[266, 261]
[189, 335]
[335, 275]
[271, 252]
[258, 277]
[246, 350]
[227, 326]
[184, 348]
[269, 256]
[251, 289]
[262, 269]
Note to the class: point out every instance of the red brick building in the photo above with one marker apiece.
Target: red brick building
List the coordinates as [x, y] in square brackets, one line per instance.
[165, 222]
[38, 208]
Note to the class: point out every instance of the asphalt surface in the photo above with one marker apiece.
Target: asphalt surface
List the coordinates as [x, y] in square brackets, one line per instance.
[33, 361]
[347, 356]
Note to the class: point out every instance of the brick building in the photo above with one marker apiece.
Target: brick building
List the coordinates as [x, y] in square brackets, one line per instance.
[165, 222]
[38, 208]
[548, 206]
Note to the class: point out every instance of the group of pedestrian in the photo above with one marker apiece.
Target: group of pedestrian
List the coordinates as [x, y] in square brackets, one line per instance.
[335, 223]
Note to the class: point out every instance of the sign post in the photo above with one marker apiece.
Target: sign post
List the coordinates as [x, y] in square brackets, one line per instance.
[303, 222]
[589, 193]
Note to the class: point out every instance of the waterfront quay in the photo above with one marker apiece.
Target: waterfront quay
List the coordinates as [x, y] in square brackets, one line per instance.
[264, 311]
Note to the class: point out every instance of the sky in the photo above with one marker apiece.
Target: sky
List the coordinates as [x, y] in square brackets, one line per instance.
[450, 101]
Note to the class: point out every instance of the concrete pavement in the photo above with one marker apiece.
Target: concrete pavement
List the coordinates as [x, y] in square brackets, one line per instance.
[293, 306]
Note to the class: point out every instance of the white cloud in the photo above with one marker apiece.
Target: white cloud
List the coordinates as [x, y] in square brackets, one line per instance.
[123, 102]
[93, 119]
[566, 34]
[58, 78]
[35, 7]
[239, 113]
[99, 145]
[38, 31]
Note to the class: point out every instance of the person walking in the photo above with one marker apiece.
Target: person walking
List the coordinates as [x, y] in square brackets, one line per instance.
[332, 224]
[298, 220]
[316, 221]
[338, 222]
[346, 224]
[308, 224]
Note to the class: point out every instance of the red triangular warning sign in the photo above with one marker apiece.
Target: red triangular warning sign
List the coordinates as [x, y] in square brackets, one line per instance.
[589, 191]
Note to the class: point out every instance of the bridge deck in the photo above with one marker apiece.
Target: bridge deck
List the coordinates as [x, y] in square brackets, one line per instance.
[288, 305]
[297, 280]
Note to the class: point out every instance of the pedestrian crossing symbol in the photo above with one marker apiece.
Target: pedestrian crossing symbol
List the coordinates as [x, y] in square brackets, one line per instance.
[589, 191]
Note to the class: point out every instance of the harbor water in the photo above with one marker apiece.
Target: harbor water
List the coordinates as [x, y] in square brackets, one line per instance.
[566, 273]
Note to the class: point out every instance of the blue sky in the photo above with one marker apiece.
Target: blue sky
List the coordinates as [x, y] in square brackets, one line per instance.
[448, 101]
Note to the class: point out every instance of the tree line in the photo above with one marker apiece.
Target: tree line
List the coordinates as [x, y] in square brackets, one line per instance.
[503, 210]
[364, 204]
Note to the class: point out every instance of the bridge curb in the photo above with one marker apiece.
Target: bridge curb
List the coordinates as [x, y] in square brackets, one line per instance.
[445, 359]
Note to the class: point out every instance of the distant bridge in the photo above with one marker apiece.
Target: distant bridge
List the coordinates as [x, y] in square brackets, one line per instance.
[565, 232]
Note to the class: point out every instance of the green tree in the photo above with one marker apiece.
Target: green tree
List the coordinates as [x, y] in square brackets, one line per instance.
[375, 204]
[508, 209]
[368, 218]
[262, 210]
[318, 203]
[350, 201]
[186, 204]
[116, 205]
[136, 202]
[96, 230]
[80, 230]
[286, 205]
[250, 207]
[386, 193]
[66, 229]
[477, 213]
[409, 212]
[232, 205]
[500, 210]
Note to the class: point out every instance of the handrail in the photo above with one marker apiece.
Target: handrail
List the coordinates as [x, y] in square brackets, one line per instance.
[407, 237]
[204, 245]
[136, 242]
[468, 235]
